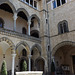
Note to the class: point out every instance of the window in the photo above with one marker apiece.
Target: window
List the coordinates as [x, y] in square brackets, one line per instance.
[57, 3]
[1, 23]
[24, 30]
[63, 1]
[24, 53]
[27, 1]
[35, 4]
[31, 2]
[63, 27]
[54, 4]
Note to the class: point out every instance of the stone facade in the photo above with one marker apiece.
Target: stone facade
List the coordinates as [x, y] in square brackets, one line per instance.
[30, 32]
[62, 45]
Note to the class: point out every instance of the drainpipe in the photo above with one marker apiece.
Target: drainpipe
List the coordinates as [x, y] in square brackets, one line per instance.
[49, 49]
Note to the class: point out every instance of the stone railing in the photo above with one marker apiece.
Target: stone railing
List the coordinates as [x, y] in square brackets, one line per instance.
[19, 35]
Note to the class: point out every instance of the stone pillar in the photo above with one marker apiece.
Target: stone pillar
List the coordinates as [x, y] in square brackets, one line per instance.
[13, 62]
[30, 62]
[29, 2]
[15, 18]
[33, 3]
[29, 23]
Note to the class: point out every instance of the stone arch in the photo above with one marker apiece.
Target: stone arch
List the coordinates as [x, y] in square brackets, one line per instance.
[24, 44]
[38, 46]
[7, 40]
[24, 10]
[62, 44]
[10, 4]
[34, 15]
[21, 62]
[40, 59]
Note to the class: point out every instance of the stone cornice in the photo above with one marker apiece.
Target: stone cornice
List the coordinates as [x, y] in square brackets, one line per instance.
[19, 35]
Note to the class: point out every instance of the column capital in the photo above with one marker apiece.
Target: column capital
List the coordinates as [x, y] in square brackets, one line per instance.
[29, 56]
[13, 52]
[29, 22]
[13, 55]
[15, 16]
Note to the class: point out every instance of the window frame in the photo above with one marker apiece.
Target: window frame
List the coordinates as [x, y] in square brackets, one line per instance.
[63, 29]
[1, 20]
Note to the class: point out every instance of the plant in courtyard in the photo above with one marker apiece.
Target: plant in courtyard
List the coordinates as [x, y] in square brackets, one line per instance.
[52, 68]
[24, 66]
[3, 68]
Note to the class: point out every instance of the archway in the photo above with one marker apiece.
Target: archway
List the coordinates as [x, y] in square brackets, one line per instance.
[35, 52]
[40, 64]
[22, 51]
[21, 63]
[22, 22]
[6, 13]
[64, 57]
[6, 47]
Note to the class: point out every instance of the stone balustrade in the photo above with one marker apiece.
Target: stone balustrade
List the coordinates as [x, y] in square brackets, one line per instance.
[19, 35]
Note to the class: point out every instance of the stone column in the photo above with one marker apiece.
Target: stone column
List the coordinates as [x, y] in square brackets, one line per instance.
[29, 2]
[33, 3]
[30, 62]
[29, 23]
[13, 62]
[15, 18]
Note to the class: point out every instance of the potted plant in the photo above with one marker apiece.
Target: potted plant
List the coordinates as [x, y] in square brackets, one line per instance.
[4, 68]
[24, 66]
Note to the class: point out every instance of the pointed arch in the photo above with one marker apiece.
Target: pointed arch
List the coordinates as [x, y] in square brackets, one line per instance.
[38, 47]
[23, 43]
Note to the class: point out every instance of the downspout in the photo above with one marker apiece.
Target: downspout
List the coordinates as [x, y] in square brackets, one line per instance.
[49, 49]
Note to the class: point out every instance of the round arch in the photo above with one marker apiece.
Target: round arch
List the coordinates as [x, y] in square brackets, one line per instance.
[34, 15]
[7, 40]
[38, 47]
[62, 44]
[24, 10]
[10, 4]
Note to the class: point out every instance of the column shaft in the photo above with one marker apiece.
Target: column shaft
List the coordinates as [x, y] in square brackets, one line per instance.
[15, 17]
[29, 62]
[29, 27]
[13, 63]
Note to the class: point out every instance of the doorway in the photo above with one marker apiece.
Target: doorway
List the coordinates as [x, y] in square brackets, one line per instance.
[21, 64]
[73, 58]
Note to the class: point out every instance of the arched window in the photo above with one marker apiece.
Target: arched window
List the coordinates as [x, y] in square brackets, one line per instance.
[24, 30]
[63, 27]
[24, 53]
[1, 23]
